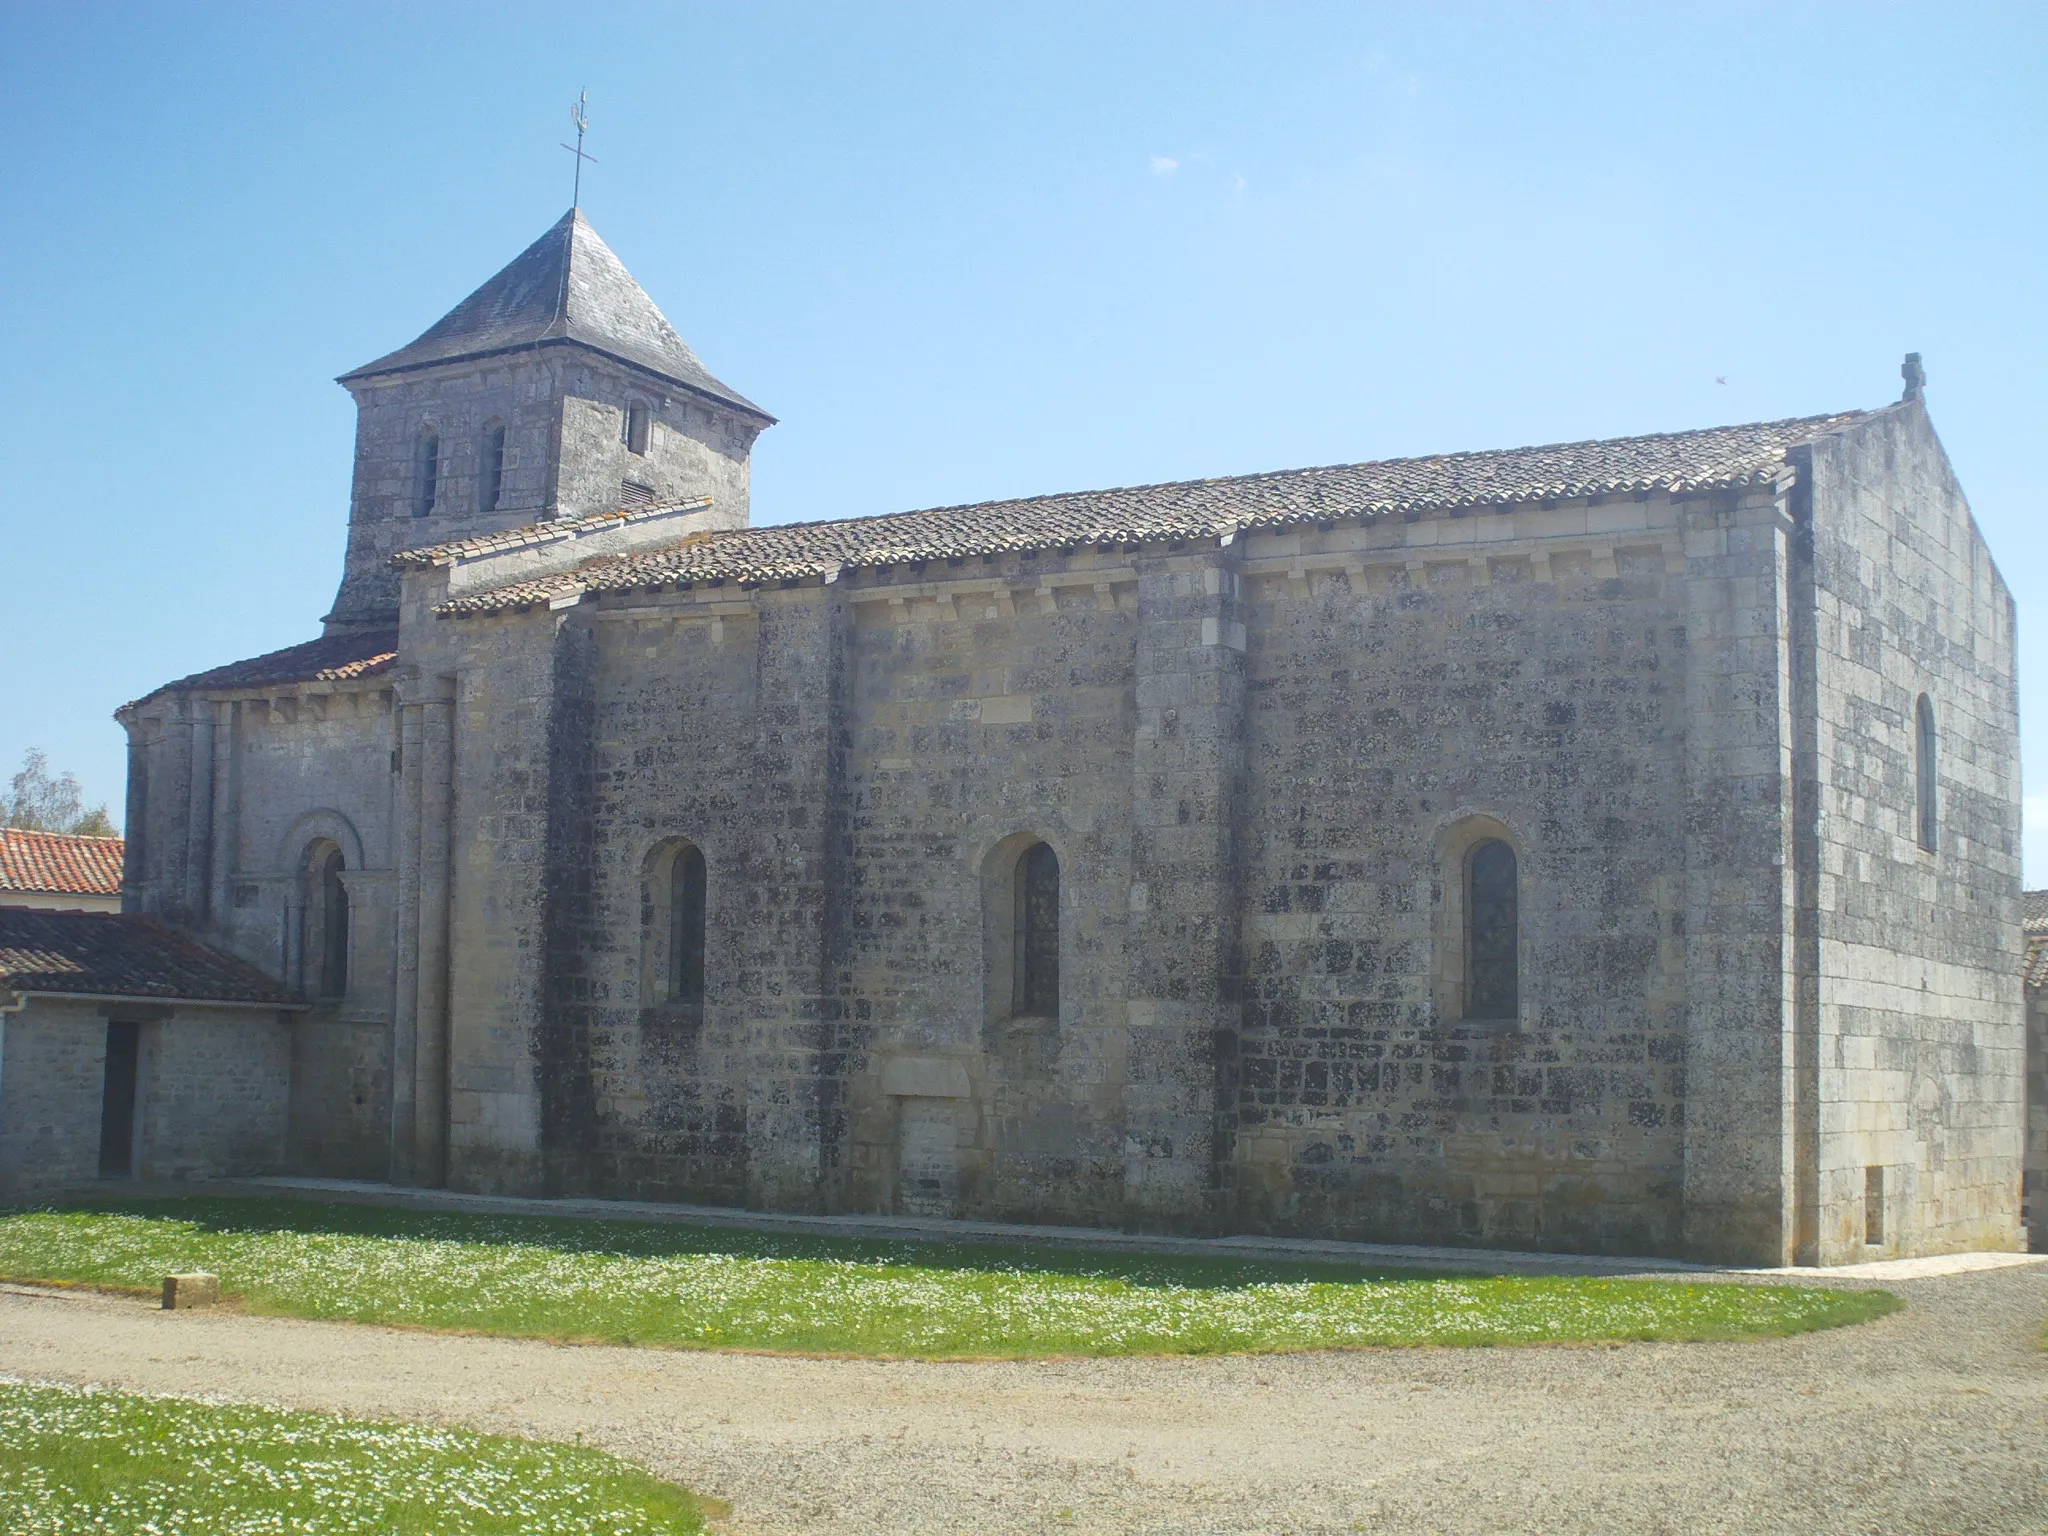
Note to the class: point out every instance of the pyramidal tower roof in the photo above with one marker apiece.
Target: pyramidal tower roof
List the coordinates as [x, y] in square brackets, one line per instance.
[565, 287]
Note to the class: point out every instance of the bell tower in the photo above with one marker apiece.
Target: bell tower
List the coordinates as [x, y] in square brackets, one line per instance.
[557, 390]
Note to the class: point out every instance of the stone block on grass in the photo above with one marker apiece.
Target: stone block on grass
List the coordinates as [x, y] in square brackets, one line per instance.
[198, 1289]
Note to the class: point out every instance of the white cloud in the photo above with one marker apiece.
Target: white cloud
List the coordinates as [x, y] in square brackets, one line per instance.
[1164, 165]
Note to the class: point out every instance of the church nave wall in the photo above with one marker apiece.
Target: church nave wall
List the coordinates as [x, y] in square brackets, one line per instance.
[1402, 712]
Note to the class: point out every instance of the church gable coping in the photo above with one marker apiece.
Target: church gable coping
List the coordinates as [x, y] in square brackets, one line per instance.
[1716, 458]
[567, 286]
[120, 954]
[60, 863]
[533, 535]
[339, 658]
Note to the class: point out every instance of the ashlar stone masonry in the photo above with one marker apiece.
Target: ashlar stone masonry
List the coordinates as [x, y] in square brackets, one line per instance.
[1610, 846]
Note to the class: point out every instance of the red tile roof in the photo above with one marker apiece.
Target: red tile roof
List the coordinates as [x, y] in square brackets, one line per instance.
[56, 862]
[114, 954]
[330, 659]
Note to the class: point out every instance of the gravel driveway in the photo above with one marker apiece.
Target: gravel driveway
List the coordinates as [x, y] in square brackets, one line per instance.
[1932, 1420]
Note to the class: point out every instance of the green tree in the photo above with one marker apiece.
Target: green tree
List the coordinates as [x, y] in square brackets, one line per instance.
[36, 802]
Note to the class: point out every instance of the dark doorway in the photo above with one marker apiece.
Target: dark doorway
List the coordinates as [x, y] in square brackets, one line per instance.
[117, 1104]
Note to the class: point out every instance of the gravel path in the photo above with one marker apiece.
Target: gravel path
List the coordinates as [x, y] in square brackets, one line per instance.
[1932, 1420]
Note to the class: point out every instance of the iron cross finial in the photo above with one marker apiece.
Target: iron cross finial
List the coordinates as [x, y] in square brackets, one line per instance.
[579, 114]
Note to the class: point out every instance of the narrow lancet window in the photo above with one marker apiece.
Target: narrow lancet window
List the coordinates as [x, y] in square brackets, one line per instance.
[426, 483]
[1493, 933]
[637, 426]
[490, 469]
[1038, 933]
[1924, 771]
[686, 927]
[333, 927]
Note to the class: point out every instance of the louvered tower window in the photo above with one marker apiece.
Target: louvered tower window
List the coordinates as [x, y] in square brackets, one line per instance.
[490, 468]
[426, 479]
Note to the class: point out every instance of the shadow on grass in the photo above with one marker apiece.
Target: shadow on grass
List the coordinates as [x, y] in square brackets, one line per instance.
[252, 1215]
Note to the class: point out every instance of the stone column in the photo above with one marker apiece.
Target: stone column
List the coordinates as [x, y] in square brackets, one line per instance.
[1740, 897]
[227, 717]
[1186, 880]
[193, 890]
[795, 1052]
[419, 1054]
[436, 751]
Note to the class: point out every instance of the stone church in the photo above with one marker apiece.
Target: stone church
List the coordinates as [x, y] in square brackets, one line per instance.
[1608, 846]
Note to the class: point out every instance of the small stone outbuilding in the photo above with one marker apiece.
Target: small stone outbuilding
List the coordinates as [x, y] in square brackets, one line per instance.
[129, 1049]
[1608, 845]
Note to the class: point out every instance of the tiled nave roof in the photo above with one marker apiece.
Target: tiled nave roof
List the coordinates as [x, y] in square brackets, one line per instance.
[1672, 462]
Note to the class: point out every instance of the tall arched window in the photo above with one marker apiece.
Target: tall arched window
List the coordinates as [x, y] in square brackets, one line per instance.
[638, 424]
[686, 927]
[333, 929]
[1492, 933]
[426, 474]
[490, 468]
[1924, 779]
[1037, 970]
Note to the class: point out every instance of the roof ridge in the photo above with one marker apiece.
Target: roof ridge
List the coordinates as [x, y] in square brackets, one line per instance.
[1250, 477]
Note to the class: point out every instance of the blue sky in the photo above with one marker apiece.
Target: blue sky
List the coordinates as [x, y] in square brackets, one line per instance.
[976, 251]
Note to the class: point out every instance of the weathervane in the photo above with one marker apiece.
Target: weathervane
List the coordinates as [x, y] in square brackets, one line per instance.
[580, 116]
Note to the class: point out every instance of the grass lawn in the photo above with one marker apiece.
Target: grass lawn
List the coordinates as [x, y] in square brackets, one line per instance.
[86, 1460]
[681, 1286]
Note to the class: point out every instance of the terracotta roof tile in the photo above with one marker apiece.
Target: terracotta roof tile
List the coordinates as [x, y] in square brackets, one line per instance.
[115, 954]
[330, 659]
[1675, 462]
[57, 862]
[2034, 911]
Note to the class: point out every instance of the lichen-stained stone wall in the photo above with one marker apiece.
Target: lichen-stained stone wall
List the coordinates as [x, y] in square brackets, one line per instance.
[663, 1113]
[503, 760]
[1920, 1040]
[987, 715]
[340, 1121]
[1532, 682]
